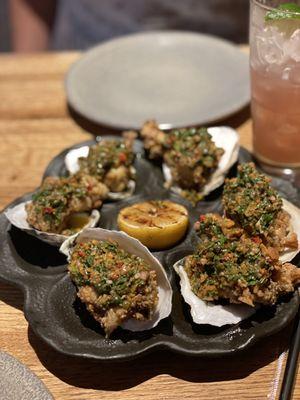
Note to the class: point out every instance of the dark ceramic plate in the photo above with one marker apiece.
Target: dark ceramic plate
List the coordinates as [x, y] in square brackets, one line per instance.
[58, 317]
[198, 79]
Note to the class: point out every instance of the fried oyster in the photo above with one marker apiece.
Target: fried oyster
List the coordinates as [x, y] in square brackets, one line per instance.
[254, 205]
[230, 265]
[191, 155]
[110, 161]
[114, 285]
[59, 198]
[154, 139]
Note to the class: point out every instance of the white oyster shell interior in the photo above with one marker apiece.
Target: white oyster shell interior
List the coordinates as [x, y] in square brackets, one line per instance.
[133, 246]
[17, 216]
[204, 312]
[71, 158]
[294, 212]
[72, 165]
[226, 138]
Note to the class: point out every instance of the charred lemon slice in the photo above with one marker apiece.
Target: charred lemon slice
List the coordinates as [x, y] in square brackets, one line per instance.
[157, 224]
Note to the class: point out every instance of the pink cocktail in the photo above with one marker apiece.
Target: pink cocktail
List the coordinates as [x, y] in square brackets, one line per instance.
[275, 83]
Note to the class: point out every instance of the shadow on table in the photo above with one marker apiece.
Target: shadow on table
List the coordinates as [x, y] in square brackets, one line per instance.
[234, 121]
[117, 376]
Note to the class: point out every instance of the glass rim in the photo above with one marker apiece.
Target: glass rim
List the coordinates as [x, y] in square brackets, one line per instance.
[269, 8]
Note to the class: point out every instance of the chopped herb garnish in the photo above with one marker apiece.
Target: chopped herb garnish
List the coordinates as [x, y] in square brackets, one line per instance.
[250, 200]
[283, 12]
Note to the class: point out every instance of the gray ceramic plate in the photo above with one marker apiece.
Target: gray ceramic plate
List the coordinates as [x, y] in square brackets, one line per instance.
[56, 315]
[18, 382]
[177, 78]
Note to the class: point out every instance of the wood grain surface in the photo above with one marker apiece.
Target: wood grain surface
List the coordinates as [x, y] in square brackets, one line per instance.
[36, 124]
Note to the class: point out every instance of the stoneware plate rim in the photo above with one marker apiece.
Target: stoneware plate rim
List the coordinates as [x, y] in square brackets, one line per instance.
[239, 92]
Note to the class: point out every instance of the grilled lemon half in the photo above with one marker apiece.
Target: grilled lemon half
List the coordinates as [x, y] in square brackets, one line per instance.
[158, 224]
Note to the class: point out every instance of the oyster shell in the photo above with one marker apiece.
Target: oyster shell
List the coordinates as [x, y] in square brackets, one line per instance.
[204, 312]
[133, 246]
[17, 216]
[294, 212]
[72, 165]
[226, 138]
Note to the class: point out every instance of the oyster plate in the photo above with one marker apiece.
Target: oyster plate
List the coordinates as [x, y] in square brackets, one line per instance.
[60, 319]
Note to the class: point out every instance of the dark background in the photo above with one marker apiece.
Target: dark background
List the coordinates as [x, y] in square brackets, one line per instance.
[80, 24]
[4, 27]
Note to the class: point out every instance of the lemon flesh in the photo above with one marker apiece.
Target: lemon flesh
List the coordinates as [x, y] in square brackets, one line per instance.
[157, 224]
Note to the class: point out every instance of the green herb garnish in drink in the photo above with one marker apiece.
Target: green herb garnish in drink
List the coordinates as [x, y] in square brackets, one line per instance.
[284, 11]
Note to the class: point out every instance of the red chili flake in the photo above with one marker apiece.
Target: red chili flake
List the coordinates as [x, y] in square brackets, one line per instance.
[81, 253]
[202, 218]
[48, 210]
[122, 157]
[256, 239]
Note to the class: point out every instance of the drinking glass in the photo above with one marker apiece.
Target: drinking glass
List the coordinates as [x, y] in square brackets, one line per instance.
[275, 84]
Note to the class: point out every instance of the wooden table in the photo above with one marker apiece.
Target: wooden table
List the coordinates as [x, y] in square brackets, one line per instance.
[35, 124]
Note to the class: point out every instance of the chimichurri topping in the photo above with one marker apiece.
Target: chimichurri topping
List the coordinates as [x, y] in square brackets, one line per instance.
[250, 200]
[118, 282]
[105, 155]
[59, 198]
[190, 153]
[110, 161]
[228, 264]
[192, 156]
